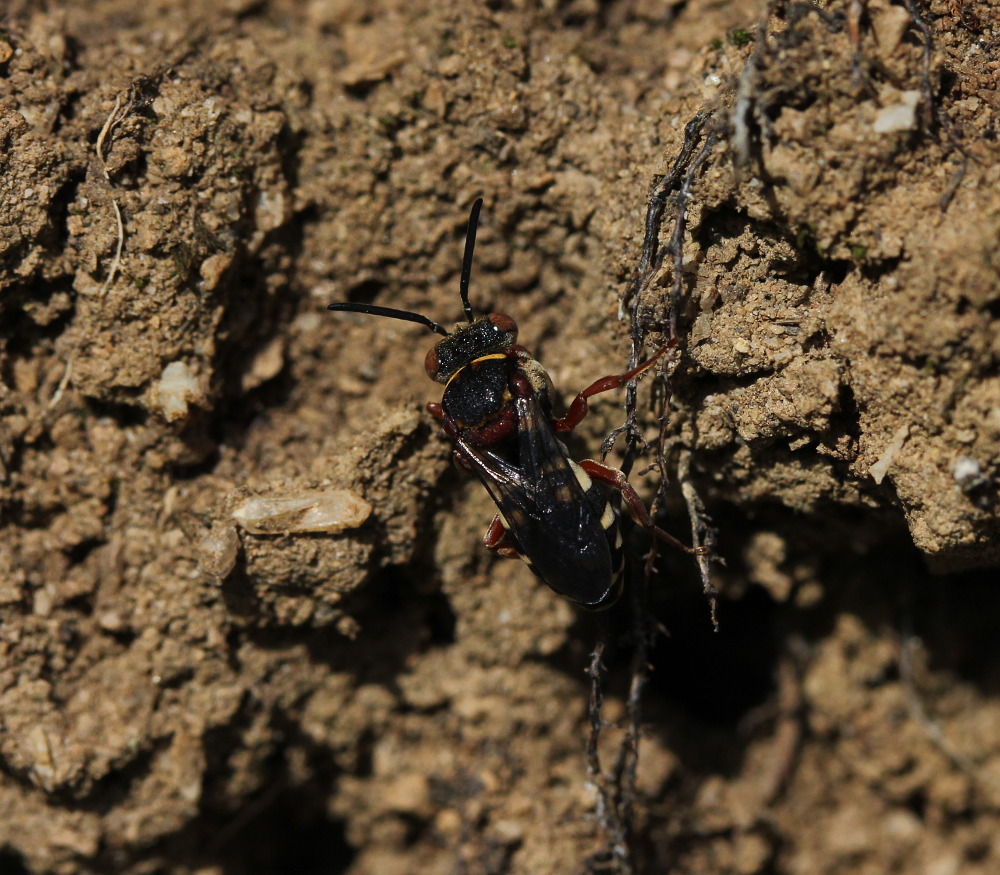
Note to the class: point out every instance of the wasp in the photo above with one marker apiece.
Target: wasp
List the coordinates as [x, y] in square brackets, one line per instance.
[497, 410]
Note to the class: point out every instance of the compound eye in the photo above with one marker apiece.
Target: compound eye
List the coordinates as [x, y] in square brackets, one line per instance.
[504, 324]
[431, 363]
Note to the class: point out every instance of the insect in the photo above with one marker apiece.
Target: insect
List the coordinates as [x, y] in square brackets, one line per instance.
[497, 410]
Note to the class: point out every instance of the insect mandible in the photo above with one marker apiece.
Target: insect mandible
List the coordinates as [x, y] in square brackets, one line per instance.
[497, 410]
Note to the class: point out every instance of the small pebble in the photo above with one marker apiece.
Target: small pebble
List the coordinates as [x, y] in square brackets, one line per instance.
[320, 510]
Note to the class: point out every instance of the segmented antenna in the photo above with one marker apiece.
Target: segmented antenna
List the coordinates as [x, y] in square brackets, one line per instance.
[419, 318]
[391, 312]
[470, 247]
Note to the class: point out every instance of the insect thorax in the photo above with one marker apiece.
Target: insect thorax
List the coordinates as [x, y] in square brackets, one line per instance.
[479, 391]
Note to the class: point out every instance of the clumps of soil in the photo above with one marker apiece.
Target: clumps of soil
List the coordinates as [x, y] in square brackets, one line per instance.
[843, 295]
[180, 692]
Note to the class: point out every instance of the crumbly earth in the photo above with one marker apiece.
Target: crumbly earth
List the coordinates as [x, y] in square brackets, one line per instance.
[184, 186]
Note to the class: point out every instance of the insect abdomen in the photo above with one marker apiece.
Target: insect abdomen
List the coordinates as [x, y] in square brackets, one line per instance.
[610, 522]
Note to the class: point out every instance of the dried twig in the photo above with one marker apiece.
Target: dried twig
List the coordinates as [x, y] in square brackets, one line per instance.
[616, 791]
[703, 534]
[614, 849]
[118, 112]
[933, 107]
[650, 261]
[746, 91]
[135, 97]
[63, 383]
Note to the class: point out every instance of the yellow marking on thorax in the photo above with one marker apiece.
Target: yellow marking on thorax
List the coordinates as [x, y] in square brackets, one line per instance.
[482, 358]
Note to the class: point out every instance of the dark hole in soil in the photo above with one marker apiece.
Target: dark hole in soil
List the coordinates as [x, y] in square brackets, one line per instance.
[716, 677]
[12, 863]
[291, 834]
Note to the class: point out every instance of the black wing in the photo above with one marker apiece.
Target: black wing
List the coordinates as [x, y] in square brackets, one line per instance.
[554, 521]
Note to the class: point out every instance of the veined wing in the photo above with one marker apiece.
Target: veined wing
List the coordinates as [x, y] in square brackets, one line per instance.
[558, 520]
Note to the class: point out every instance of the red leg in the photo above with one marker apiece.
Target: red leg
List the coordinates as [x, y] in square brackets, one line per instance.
[435, 410]
[636, 509]
[496, 540]
[579, 408]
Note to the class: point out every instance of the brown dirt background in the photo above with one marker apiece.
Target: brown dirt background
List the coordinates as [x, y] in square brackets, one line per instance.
[179, 695]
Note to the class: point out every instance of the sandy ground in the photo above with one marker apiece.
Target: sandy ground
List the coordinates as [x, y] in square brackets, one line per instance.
[183, 189]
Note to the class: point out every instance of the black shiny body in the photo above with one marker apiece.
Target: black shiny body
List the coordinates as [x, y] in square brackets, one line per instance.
[558, 520]
[478, 392]
[497, 410]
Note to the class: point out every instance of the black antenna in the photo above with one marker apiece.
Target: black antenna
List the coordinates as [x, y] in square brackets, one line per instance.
[470, 246]
[391, 312]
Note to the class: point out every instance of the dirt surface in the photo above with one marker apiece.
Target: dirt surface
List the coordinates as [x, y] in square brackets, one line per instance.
[182, 190]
